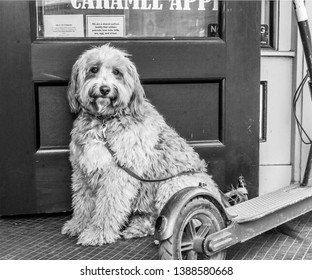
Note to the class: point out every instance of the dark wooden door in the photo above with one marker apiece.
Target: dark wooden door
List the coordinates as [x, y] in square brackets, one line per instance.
[206, 88]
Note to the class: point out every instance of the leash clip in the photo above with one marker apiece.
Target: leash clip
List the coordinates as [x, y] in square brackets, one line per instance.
[104, 133]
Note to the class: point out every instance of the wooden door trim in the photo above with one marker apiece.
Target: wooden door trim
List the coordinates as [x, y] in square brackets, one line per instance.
[52, 61]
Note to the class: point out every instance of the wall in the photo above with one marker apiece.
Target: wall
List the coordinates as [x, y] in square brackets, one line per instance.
[278, 70]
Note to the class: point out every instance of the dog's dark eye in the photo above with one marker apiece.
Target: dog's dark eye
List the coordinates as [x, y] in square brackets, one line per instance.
[94, 69]
[116, 72]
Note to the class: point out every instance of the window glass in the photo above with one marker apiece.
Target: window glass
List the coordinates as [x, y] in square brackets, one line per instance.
[127, 18]
[266, 22]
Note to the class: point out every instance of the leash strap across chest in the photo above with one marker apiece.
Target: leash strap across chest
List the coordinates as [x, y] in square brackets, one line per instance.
[126, 169]
[136, 176]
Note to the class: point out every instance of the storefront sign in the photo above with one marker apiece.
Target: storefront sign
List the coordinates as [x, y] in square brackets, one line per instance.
[63, 26]
[141, 4]
[105, 26]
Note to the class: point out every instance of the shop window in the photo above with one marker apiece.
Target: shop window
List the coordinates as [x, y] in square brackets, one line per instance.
[267, 10]
[127, 19]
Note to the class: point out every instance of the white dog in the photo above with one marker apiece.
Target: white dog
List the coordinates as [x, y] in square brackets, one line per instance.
[118, 132]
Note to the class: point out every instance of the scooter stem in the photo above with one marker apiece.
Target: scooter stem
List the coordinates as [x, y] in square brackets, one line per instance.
[303, 24]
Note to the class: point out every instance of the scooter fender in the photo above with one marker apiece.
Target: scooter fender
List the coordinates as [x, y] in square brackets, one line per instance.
[165, 223]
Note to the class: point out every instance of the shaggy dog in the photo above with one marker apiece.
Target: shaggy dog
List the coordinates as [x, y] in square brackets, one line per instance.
[117, 127]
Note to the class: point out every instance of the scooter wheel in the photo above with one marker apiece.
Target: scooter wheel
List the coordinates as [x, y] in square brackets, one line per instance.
[198, 219]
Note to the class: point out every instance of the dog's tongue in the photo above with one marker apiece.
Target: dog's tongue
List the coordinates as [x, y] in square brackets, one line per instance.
[102, 102]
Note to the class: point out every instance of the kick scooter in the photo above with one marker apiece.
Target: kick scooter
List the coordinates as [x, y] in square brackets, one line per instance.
[196, 225]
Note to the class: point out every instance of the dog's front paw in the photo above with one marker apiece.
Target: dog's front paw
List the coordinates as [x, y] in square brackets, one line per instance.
[95, 236]
[73, 227]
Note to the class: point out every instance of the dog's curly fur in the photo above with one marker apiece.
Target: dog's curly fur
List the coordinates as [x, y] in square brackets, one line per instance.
[107, 202]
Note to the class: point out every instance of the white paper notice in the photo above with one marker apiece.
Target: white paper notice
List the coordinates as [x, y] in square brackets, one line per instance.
[106, 26]
[63, 26]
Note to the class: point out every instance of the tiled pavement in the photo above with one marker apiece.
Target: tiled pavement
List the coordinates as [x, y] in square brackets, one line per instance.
[39, 237]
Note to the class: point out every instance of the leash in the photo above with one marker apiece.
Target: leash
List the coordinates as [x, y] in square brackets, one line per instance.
[136, 176]
[224, 198]
[131, 172]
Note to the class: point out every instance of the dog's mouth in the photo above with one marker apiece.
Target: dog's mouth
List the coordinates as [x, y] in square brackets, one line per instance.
[102, 103]
[99, 102]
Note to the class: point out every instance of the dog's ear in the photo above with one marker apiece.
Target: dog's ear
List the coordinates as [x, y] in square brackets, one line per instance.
[138, 94]
[73, 86]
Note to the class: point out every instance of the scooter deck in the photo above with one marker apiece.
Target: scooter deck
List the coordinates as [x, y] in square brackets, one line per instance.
[263, 205]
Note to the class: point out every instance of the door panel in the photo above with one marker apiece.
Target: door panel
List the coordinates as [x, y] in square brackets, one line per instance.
[52, 182]
[193, 109]
[54, 120]
[207, 89]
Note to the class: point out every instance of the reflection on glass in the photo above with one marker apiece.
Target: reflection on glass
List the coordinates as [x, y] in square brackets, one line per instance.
[265, 22]
[127, 18]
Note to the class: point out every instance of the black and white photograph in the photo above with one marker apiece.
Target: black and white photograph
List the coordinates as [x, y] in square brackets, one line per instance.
[136, 131]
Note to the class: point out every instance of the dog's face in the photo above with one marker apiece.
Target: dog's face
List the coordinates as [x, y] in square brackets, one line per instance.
[105, 82]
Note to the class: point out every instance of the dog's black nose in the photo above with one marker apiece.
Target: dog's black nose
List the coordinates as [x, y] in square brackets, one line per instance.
[104, 90]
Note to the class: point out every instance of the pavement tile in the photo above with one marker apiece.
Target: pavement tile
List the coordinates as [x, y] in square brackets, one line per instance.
[39, 237]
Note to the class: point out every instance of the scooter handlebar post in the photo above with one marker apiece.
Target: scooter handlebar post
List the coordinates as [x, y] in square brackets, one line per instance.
[303, 25]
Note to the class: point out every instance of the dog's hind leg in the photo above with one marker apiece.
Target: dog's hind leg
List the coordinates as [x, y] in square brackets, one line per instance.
[142, 222]
[168, 188]
[139, 226]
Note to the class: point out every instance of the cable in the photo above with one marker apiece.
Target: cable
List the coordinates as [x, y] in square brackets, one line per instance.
[297, 95]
